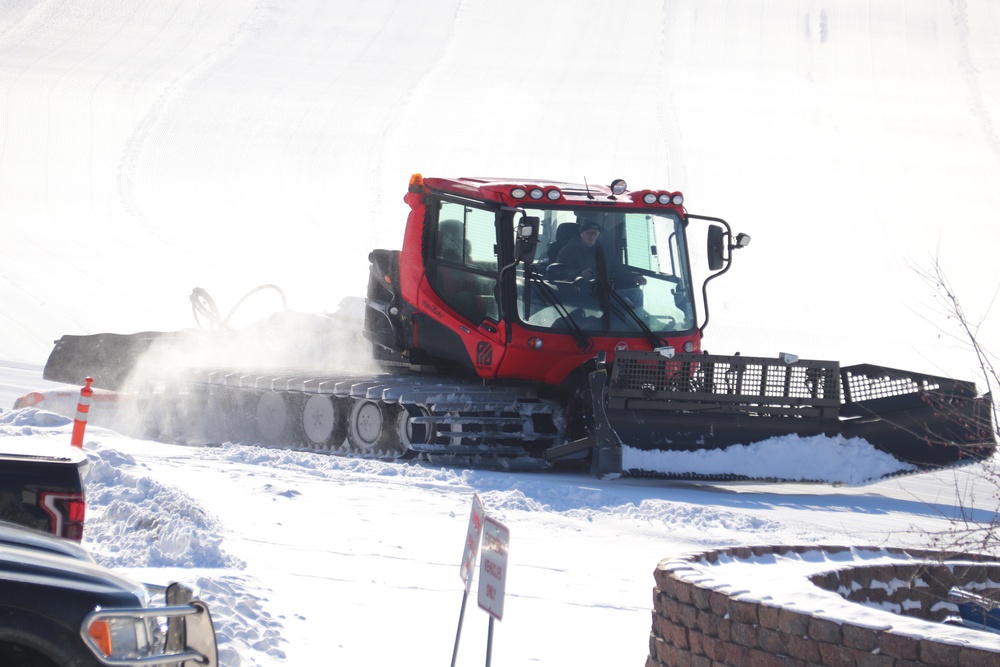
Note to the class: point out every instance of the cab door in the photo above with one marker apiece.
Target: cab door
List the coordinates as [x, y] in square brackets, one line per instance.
[461, 320]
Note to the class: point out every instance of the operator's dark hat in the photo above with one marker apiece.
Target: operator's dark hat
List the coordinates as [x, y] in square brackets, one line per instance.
[589, 224]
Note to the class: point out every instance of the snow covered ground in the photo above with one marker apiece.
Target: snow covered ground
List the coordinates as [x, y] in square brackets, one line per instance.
[314, 559]
[147, 148]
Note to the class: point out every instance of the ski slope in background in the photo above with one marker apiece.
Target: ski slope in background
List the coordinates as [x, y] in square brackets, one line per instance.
[148, 148]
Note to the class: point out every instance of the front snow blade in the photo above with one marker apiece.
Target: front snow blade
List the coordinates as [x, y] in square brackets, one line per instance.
[689, 403]
[106, 357]
[925, 420]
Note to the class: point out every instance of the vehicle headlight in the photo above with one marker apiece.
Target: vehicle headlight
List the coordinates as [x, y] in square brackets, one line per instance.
[123, 638]
[180, 632]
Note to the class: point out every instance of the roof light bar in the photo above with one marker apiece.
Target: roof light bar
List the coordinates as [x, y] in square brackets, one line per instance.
[663, 198]
[536, 193]
[553, 194]
[518, 193]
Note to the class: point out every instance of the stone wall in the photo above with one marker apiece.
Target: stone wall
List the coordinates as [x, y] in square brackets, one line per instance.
[700, 620]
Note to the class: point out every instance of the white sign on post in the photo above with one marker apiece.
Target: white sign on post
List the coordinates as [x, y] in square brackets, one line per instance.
[472, 541]
[493, 567]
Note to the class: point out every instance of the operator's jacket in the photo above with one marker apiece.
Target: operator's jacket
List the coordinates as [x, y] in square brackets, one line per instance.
[581, 257]
[578, 256]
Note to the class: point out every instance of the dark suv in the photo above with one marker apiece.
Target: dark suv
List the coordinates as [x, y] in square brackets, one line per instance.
[59, 608]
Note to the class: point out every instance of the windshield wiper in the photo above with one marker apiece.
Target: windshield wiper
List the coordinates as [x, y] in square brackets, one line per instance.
[604, 290]
[627, 307]
[583, 341]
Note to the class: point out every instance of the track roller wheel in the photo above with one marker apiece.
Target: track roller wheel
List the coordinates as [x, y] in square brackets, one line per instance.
[233, 415]
[198, 416]
[164, 420]
[409, 432]
[321, 421]
[272, 418]
[156, 425]
[373, 428]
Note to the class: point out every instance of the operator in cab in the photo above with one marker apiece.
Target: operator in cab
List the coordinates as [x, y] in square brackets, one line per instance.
[581, 255]
[581, 252]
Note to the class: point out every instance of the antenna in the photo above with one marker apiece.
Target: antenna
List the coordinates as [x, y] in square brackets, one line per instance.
[586, 186]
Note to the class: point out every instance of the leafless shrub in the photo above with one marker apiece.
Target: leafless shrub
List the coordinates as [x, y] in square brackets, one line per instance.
[976, 525]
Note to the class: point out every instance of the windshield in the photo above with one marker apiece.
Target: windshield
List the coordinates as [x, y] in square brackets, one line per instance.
[607, 270]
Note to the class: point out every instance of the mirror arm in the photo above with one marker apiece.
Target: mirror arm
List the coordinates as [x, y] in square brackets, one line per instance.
[742, 240]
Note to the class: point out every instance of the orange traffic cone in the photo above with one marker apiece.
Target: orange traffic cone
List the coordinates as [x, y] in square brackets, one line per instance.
[82, 408]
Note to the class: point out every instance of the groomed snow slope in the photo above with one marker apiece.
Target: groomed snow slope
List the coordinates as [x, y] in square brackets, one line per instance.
[147, 148]
[150, 147]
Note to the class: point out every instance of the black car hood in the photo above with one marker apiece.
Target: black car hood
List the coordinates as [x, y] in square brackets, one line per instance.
[58, 570]
[14, 535]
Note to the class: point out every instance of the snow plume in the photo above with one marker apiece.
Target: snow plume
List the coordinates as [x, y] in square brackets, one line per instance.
[133, 521]
[286, 343]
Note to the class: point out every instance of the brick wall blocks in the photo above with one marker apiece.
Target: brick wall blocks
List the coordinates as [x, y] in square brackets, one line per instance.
[695, 626]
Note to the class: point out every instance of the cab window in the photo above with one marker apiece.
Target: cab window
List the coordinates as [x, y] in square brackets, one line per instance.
[463, 266]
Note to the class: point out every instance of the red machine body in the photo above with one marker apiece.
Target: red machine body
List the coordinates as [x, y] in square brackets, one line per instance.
[495, 337]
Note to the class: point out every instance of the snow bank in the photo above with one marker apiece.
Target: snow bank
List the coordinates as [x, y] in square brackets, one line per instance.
[136, 523]
[819, 458]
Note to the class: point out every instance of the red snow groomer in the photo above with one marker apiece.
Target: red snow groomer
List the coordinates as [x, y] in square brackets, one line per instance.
[534, 322]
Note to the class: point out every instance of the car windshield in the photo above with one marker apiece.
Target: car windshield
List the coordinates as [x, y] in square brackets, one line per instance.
[607, 271]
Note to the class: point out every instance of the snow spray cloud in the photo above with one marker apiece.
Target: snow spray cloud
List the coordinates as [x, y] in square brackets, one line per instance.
[159, 401]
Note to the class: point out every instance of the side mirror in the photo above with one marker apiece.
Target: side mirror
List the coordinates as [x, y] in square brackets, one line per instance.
[716, 248]
[719, 248]
[527, 239]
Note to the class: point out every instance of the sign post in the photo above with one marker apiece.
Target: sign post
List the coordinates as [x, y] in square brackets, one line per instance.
[493, 575]
[469, 562]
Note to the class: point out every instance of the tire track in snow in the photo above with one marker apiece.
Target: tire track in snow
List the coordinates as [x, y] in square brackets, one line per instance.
[400, 110]
[960, 16]
[666, 108]
[143, 133]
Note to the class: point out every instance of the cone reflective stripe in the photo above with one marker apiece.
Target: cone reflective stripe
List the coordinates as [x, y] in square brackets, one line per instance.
[82, 408]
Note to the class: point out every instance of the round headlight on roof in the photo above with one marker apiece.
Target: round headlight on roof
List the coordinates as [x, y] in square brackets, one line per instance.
[618, 186]
[664, 198]
[553, 194]
[518, 193]
[536, 193]
[649, 198]
[678, 199]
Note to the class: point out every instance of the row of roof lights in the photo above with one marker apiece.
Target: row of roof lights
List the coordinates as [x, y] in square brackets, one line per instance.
[664, 198]
[535, 193]
[617, 187]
